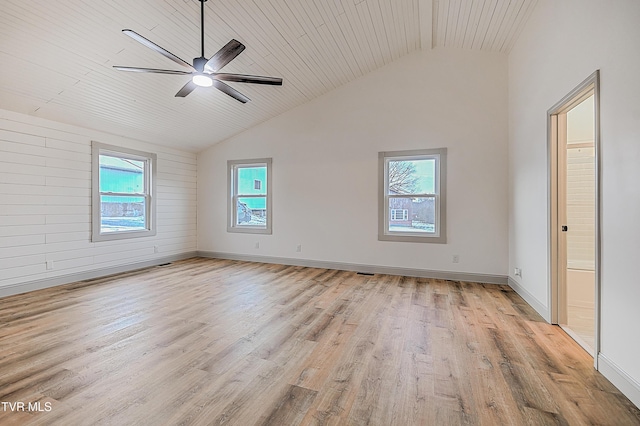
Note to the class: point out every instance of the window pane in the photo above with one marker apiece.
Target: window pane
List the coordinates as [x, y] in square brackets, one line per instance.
[252, 180]
[121, 175]
[122, 213]
[412, 215]
[412, 176]
[399, 214]
[252, 211]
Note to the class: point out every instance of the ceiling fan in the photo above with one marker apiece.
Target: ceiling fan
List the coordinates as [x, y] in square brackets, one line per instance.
[204, 72]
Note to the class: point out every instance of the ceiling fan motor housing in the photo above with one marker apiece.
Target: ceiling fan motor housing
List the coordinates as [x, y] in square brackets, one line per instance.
[198, 63]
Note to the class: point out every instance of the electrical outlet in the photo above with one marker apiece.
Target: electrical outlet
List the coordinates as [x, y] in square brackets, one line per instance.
[517, 272]
[49, 265]
[299, 248]
[156, 249]
[257, 245]
[455, 258]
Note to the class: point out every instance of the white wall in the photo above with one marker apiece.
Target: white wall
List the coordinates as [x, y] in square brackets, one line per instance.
[45, 203]
[562, 44]
[325, 166]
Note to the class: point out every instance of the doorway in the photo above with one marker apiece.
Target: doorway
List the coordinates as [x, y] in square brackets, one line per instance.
[574, 188]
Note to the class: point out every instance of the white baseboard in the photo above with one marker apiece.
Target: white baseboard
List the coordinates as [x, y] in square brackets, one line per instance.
[620, 379]
[96, 273]
[530, 299]
[370, 269]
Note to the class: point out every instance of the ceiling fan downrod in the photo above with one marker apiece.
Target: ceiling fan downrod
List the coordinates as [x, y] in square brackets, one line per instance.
[202, 27]
[198, 63]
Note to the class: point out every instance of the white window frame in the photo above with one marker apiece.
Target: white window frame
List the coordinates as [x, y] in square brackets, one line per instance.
[384, 212]
[232, 199]
[150, 162]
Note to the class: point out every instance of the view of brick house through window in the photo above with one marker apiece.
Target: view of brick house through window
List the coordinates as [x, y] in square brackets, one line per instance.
[412, 185]
[408, 177]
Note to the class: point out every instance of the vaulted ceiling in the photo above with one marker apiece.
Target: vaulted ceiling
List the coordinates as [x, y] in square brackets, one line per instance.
[57, 56]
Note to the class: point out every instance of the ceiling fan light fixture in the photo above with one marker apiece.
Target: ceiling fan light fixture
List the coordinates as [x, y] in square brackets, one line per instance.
[202, 80]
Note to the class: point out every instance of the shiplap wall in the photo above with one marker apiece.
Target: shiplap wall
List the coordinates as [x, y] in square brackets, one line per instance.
[581, 202]
[45, 203]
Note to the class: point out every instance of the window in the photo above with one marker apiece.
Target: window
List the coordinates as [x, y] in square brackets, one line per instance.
[123, 193]
[249, 196]
[399, 214]
[412, 196]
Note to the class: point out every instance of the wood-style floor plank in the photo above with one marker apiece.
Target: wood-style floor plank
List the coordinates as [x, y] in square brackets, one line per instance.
[205, 341]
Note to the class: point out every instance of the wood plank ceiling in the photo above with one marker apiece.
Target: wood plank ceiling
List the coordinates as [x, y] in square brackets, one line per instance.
[57, 56]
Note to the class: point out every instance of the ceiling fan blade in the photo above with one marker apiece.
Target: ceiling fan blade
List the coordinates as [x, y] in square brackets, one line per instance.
[164, 52]
[224, 56]
[186, 89]
[242, 78]
[230, 91]
[153, 70]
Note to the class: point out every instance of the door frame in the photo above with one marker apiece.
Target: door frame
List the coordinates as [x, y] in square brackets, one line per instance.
[573, 98]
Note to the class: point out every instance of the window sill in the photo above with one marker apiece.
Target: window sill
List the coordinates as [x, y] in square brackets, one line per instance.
[413, 238]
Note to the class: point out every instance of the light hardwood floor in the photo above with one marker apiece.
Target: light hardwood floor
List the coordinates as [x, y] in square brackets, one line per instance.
[207, 341]
[581, 321]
